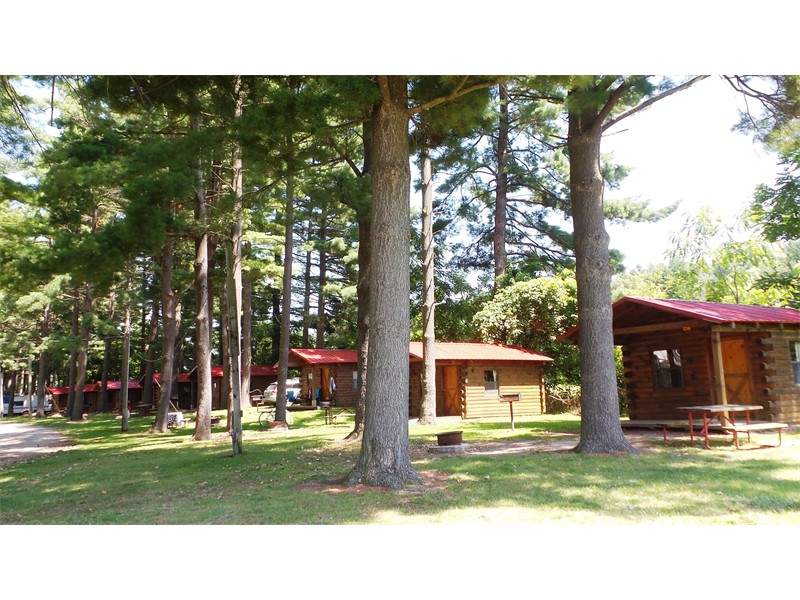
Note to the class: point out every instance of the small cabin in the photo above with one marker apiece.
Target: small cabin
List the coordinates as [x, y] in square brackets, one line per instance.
[684, 352]
[470, 378]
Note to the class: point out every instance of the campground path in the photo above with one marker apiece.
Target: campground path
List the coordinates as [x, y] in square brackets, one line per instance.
[21, 440]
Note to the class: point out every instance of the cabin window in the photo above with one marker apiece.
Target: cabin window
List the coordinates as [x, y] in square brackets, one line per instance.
[490, 384]
[667, 369]
[794, 350]
[355, 380]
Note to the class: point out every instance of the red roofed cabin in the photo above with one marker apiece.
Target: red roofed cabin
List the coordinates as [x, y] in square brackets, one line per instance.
[469, 378]
[681, 352]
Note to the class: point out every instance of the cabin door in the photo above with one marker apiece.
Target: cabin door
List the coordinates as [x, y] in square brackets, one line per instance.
[738, 380]
[451, 391]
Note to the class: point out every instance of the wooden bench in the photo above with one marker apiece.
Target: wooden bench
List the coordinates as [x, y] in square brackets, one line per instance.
[747, 428]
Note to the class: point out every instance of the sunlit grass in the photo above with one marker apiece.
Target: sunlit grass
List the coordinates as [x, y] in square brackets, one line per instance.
[140, 478]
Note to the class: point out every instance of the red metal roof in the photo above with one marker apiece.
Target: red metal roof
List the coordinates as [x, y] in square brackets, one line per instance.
[324, 356]
[478, 351]
[262, 370]
[117, 385]
[719, 312]
[711, 312]
[444, 351]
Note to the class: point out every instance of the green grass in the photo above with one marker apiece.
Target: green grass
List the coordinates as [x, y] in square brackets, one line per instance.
[139, 478]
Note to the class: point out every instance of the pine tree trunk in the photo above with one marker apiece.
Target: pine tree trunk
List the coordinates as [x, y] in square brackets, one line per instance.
[202, 427]
[364, 217]
[601, 431]
[171, 309]
[286, 304]
[83, 356]
[323, 275]
[385, 459]
[150, 353]
[235, 265]
[501, 192]
[73, 354]
[44, 356]
[427, 414]
[126, 361]
[247, 334]
[307, 290]
[103, 403]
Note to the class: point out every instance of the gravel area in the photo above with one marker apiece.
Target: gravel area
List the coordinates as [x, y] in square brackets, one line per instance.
[23, 440]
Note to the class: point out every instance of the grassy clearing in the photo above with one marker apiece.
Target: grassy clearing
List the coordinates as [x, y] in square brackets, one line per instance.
[290, 478]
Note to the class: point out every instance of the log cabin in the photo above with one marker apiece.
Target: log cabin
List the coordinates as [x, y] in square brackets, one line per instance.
[470, 378]
[685, 352]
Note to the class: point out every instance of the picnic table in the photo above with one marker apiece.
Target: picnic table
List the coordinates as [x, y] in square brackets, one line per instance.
[725, 415]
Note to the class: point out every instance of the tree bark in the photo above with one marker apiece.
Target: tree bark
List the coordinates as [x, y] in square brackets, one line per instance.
[73, 353]
[307, 290]
[126, 361]
[286, 304]
[102, 403]
[601, 431]
[384, 459]
[364, 216]
[247, 333]
[323, 275]
[501, 192]
[202, 428]
[150, 353]
[235, 265]
[171, 309]
[83, 356]
[44, 356]
[427, 414]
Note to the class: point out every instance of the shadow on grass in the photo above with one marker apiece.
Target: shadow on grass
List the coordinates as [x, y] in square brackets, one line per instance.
[144, 478]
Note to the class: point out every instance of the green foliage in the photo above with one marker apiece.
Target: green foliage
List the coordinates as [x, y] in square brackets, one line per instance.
[532, 314]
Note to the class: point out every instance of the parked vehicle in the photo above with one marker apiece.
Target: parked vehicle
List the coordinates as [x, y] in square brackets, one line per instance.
[292, 389]
[21, 404]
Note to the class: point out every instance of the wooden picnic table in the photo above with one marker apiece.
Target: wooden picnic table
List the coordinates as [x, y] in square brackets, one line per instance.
[725, 415]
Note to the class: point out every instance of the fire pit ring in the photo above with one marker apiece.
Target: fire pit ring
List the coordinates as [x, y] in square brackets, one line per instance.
[450, 438]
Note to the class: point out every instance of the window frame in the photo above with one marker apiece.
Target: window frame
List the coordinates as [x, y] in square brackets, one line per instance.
[667, 369]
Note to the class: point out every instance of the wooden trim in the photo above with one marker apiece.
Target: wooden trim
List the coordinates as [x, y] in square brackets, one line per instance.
[719, 370]
[673, 326]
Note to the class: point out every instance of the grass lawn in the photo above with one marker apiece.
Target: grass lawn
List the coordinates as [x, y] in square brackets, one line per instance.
[506, 477]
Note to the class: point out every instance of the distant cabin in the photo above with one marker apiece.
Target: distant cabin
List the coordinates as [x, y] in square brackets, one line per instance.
[91, 395]
[683, 352]
[470, 378]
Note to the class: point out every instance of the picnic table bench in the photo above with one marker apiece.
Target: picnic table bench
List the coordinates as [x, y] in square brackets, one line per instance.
[747, 428]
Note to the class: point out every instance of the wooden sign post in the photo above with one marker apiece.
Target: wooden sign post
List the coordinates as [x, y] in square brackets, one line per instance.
[511, 398]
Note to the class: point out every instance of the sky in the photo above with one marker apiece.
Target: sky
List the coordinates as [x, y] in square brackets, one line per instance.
[682, 149]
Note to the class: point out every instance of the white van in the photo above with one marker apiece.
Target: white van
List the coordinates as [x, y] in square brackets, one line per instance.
[21, 404]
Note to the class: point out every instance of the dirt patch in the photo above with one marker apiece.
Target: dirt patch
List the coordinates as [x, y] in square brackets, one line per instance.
[20, 440]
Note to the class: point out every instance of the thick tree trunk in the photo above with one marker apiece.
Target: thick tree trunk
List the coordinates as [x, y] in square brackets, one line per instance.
[286, 304]
[171, 309]
[427, 414]
[235, 283]
[83, 357]
[501, 192]
[385, 459]
[601, 431]
[202, 428]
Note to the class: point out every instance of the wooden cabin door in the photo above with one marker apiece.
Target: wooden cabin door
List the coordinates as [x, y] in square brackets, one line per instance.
[451, 391]
[736, 366]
